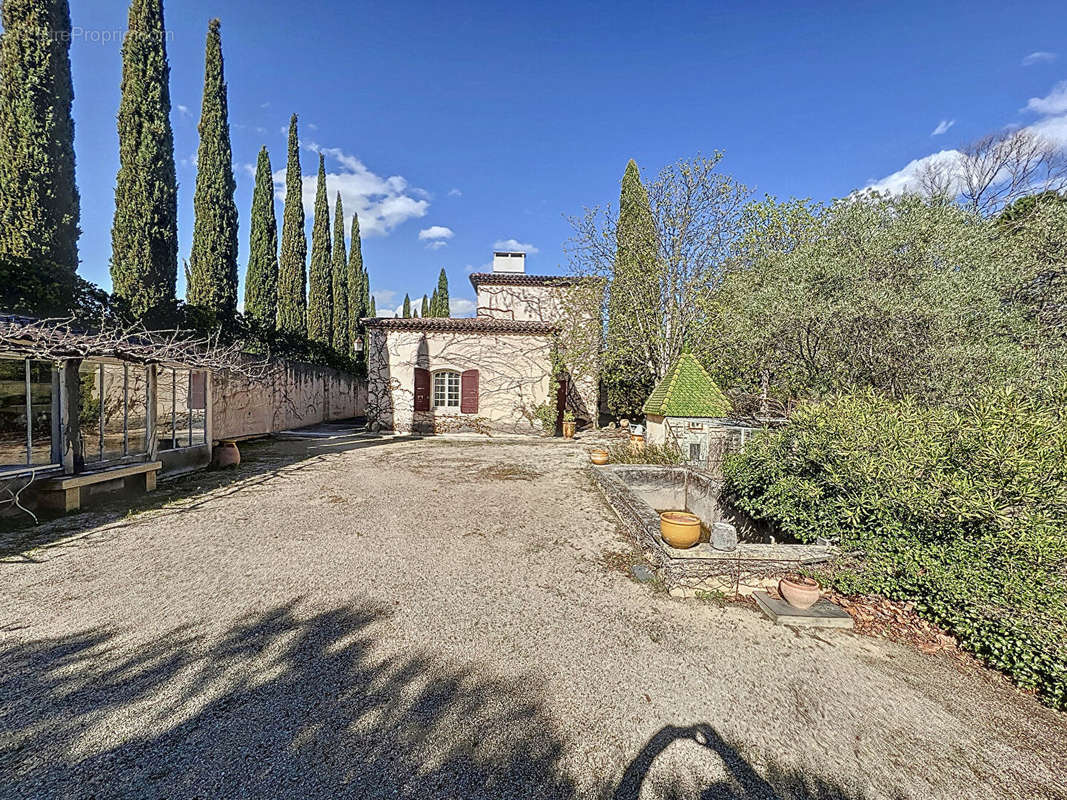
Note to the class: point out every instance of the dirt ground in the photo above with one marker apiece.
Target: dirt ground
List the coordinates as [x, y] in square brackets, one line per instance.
[355, 616]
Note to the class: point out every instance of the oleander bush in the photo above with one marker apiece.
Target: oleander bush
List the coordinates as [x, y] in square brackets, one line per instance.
[963, 512]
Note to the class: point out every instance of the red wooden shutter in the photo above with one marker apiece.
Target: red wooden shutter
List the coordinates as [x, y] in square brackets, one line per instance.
[468, 392]
[422, 389]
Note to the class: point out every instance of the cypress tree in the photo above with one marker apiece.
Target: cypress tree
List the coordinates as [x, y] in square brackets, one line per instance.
[359, 297]
[261, 277]
[442, 295]
[634, 286]
[407, 307]
[342, 331]
[39, 203]
[292, 268]
[144, 237]
[433, 304]
[373, 309]
[213, 259]
[320, 291]
[425, 307]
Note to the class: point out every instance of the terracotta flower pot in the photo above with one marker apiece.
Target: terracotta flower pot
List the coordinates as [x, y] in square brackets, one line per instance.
[599, 457]
[568, 430]
[227, 454]
[679, 529]
[637, 442]
[799, 592]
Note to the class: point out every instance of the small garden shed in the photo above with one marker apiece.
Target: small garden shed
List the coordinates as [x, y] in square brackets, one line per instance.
[688, 410]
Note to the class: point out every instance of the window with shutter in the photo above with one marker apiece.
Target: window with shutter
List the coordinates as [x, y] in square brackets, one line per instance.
[469, 392]
[422, 389]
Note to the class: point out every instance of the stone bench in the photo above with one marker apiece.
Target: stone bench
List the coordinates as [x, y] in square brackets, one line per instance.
[65, 493]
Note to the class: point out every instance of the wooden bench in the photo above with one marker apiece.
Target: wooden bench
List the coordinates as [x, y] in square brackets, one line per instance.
[65, 493]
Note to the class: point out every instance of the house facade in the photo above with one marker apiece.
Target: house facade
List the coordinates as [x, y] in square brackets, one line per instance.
[490, 373]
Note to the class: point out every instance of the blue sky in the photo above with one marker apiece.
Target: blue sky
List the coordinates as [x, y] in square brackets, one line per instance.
[496, 121]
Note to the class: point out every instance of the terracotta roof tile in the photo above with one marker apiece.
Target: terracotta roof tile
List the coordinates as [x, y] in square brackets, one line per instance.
[520, 279]
[461, 325]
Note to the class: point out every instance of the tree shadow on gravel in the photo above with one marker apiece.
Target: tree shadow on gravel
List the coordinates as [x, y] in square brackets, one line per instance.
[265, 464]
[284, 705]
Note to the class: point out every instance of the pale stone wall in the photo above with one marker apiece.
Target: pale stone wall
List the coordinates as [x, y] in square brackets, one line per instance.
[513, 378]
[547, 304]
[292, 396]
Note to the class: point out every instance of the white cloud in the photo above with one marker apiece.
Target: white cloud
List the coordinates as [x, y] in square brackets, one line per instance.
[943, 126]
[382, 203]
[436, 236]
[461, 307]
[436, 232]
[1055, 102]
[265, 105]
[312, 126]
[1039, 57]
[260, 129]
[1051, 125]
[384, 297]
[250, 169]
[907, 179]
[515, 246]
[455, 193]
[183, 110]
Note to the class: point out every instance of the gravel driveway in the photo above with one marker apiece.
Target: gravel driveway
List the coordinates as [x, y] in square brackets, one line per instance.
[379, 618]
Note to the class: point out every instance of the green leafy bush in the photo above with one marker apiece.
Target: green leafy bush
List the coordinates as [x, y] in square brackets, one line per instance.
[624, 453]
[962, 512]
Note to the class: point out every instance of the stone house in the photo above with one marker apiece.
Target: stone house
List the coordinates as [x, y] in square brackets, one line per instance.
[689, 411]
[491, 372]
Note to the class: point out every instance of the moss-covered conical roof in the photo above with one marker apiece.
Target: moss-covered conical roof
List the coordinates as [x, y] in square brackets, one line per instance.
[687, 391]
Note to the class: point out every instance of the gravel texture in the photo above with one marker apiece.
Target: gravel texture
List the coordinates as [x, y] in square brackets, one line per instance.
[388, 617]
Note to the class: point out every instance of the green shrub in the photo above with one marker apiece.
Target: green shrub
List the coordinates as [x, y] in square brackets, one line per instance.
[962, 512]
[623, 453]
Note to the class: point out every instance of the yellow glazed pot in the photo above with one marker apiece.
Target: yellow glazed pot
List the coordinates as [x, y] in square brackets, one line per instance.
[568, 430]
[679, 529]
[599, 457]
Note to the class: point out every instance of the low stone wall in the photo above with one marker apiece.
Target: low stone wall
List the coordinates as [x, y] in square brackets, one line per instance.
[757, 563]
[292, 396]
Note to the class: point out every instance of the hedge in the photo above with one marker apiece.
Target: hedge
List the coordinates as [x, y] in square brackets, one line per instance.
[963, 512]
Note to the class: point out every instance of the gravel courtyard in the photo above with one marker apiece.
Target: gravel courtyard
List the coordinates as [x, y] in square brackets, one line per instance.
[379, 618]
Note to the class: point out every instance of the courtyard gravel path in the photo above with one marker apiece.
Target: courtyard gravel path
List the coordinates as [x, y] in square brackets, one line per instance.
[381, 618]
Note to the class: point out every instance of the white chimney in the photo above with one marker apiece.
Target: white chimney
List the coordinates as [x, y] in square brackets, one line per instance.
[509, 262]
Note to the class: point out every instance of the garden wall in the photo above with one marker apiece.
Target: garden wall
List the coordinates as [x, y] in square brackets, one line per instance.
[292, 396]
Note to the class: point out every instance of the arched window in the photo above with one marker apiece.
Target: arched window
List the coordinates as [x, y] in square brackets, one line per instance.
[446, 389]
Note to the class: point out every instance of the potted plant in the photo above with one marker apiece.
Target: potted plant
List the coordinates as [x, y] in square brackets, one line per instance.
[598, 456]
[679, 529]
[799, 592]
[568, 425]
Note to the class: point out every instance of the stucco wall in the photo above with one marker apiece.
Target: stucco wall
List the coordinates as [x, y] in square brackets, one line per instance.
[548, 304]
[292, 396]
[513, 378]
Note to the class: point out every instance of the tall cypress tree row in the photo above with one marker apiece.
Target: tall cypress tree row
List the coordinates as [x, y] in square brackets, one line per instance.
[634, 286]
[261, 277]
[292, 267]
[358, 293]
[39, 203]
[213, 260]
[342, 342]
[425, 307]
[144, 237]
[320, 291]
[442, 309]
[407, 307]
